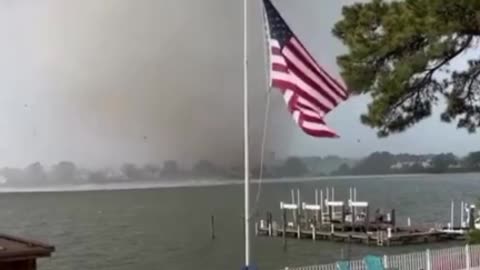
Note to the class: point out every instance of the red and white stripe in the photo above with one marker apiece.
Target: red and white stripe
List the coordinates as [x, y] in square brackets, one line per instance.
[309, 91]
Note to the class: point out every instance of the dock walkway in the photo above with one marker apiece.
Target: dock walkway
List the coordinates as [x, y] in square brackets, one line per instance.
[402, 236]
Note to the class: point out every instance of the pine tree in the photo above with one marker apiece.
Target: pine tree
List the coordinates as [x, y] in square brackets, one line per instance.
[400, 52]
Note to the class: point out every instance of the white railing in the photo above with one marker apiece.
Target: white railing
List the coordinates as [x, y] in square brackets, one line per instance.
[455, 258]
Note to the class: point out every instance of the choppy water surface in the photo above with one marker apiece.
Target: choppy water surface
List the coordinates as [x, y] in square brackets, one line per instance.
[169, 228]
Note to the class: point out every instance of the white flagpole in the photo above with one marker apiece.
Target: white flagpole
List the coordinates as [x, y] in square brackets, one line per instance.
[245, 136]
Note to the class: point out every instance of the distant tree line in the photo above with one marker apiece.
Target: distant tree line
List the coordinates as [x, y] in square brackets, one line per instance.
[388, 163]
[67, 172]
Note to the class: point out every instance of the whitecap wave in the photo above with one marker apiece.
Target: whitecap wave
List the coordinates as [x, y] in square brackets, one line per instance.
[177, 184]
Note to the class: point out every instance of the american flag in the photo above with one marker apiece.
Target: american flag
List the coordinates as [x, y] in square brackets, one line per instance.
[309, 91]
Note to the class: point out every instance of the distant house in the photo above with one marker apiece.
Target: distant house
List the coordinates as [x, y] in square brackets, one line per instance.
[397, 165]
[455, 166]
[115, 174]
[427, 163]
[400, 165]
[82, 175]
[3, 180]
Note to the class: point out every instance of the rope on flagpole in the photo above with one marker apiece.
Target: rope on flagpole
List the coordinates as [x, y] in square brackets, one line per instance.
[262, 156]
[267, 112]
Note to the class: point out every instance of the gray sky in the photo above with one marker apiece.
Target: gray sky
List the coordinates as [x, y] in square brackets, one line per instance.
[104, 82]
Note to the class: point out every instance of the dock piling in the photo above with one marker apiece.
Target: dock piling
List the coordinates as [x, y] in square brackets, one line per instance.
[294, 212]
[298, 202]
[452, 221]
[350, 198]
[317, 212]
[269, 223]
[367, 219]
[330, 213]
[322, 209]
[393, 220]
[314, 233]
[212, 227]
[353, 212]
[471, 217]
[284, 233]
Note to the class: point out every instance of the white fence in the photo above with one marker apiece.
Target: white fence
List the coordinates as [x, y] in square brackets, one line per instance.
[456, 258]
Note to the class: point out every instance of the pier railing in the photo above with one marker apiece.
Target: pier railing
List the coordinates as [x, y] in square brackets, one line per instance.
[455, 258]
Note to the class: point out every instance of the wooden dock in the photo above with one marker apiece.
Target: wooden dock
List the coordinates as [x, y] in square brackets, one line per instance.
[350, 222]
[379, 238]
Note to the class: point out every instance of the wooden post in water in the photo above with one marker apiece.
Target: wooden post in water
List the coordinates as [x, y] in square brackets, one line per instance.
[269, 223]
[212, 227]
[322, 209]
[299, 204]
[305, 214]
[393, 221]
[316, 211]
[367, 219]
[330, 213]
[294, 212]
[350, 199]
[471, 218]
[344, 214]
[452, 221]
[284, 234]
[354, 214]
[314, 233]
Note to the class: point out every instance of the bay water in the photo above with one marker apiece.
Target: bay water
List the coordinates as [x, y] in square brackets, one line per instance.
[169, 227]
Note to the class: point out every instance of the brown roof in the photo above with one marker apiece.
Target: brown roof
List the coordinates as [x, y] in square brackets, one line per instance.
[15, 248]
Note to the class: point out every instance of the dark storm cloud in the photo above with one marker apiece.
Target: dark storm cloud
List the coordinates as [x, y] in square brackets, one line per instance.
[139, 80]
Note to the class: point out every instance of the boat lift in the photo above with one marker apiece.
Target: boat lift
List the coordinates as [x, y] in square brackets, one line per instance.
[316, 208]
